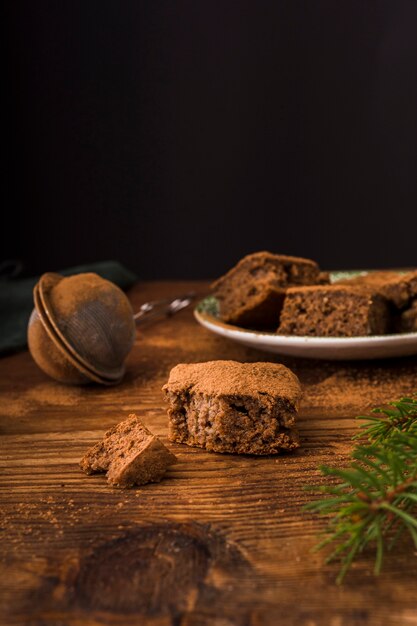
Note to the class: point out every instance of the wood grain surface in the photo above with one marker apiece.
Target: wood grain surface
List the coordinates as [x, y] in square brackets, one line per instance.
[222, 540]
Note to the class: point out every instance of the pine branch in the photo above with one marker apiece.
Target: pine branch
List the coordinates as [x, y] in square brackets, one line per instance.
[373, 501]
[395, 417]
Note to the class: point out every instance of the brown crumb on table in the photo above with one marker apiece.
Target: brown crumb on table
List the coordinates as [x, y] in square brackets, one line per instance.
[334, 311]
[130, 454]
[251, 293]
[226, 406]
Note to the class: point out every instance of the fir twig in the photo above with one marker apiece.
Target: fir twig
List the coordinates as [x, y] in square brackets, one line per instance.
[374, 500]
[396, 416]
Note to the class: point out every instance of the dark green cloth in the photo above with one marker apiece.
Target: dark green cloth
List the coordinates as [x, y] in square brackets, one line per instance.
[16, 300]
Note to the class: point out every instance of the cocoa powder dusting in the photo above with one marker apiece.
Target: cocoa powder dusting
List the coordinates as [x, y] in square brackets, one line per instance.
[46, 394]
[54, 516]
[351, 391]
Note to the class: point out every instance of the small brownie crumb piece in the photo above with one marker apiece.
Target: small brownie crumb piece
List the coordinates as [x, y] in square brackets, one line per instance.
[251, 293]
[407, 320]
[333, 311]
[241, 408]
[130, 454]
[398, 289]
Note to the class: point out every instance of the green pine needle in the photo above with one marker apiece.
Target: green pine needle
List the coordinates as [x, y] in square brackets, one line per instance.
[373, 501]
[385, 421]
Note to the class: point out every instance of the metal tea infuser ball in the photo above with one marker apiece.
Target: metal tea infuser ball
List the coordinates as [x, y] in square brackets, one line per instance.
[81, 329]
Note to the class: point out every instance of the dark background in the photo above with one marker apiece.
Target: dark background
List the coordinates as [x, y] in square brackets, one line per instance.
[178, 136]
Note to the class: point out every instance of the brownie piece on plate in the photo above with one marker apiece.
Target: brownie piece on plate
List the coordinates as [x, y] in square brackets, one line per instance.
[324, 278]
[251, 293]
[334, 311]
[226, 406]
[407, 320]
[398, 289]
[402, 290]
[130, 454]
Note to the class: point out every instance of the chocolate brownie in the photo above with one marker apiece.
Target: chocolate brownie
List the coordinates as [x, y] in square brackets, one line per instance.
[399, 289]
[402, 290]
[407, 320]
[130, 454]
[251, 293]
[226, 406]
[334, 311]
[324, 278]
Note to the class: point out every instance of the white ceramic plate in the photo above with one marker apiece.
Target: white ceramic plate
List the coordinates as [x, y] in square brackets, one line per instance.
[337, 348]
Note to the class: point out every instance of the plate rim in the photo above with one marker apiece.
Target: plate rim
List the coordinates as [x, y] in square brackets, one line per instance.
[206, 318]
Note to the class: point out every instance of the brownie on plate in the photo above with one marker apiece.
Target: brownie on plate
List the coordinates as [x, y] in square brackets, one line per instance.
[226, 406]
[334, 311]
[407, 320]
[398, 289]
[251, 293]
[130, 454]
[402, 290]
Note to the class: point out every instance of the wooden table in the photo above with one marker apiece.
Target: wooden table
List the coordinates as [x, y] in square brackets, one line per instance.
[221, 541]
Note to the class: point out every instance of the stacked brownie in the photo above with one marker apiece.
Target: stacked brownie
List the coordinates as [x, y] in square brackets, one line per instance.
[407, 320]
[251, 294]
[291, 296]
[400, 291]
